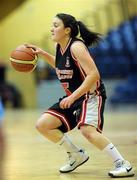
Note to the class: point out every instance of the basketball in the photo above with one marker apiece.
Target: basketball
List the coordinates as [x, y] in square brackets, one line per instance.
[23, 59]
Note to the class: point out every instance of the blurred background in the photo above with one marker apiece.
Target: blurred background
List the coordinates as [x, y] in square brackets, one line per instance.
[29, 21]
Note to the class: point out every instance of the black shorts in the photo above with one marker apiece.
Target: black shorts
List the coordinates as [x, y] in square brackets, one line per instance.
[87, 110]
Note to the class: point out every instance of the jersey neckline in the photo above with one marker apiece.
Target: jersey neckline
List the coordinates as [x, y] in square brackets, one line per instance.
[63, 52]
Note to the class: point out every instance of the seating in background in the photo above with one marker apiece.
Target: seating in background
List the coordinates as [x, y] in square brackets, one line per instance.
[116, 57]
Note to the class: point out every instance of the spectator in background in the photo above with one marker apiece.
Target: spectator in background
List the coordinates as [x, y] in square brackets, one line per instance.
[2, 141]
[10, 95]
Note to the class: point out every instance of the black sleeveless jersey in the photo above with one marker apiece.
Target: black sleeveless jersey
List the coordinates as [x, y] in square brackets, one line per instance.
[69, 71]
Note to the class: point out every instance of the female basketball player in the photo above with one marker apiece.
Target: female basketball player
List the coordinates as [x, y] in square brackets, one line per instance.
[83, 105]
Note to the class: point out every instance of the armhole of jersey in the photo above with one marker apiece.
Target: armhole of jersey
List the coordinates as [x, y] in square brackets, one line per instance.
[72, 54]
[77, 62]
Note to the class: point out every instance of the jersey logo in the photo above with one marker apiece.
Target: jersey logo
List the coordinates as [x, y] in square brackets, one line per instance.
[64, 73]
[67, 62]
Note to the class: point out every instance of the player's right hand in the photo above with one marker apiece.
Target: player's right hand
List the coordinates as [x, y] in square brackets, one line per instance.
[36, 49]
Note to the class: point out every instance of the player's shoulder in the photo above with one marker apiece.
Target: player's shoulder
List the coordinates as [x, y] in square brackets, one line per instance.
[77, 43]
[78, 46]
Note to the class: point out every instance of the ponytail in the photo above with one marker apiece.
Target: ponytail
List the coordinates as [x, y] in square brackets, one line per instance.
[89, 37]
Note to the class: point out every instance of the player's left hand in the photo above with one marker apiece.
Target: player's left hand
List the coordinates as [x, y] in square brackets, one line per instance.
[67, 102]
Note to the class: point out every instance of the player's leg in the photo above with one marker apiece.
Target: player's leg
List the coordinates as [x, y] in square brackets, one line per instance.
[76, 155]
[48, 125]
[94, 121]
[122, 167]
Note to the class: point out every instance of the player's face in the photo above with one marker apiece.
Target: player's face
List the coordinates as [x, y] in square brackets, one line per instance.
[58, 31]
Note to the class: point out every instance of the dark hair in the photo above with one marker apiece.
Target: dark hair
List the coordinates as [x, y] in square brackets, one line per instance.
[77, 27]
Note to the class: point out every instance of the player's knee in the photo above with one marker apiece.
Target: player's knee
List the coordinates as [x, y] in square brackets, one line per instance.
[85, 132]
[44, 124]
[41, 126]
[88, 133]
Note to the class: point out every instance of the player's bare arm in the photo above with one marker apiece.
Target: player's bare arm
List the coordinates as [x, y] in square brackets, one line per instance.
[50, 59]
[82, 55]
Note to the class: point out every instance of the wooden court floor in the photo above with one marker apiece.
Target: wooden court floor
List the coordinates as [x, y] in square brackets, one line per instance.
[29, 156]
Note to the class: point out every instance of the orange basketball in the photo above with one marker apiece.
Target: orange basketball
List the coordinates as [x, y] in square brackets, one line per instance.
[23, 59]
